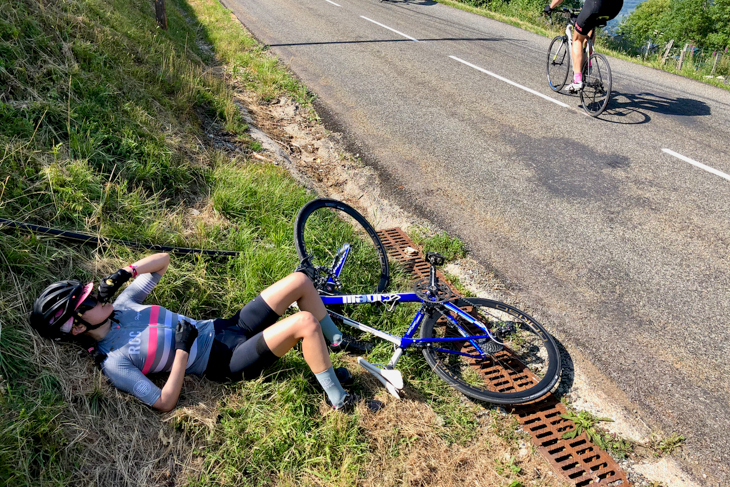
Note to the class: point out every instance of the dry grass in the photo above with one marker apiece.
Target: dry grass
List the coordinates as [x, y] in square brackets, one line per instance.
[73, 428]
[118, 441]
[112, 437]
[408, 449]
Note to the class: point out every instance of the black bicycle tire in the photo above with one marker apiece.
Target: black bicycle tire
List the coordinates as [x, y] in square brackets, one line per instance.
[543, 387]
[594, 57]
[562, 40]
[306, 211]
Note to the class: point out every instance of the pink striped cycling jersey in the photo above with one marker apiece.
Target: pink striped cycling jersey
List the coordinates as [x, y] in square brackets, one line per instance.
[142, 341]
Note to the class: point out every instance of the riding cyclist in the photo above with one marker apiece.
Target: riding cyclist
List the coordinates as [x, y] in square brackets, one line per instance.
[593, 12]
[135, 339]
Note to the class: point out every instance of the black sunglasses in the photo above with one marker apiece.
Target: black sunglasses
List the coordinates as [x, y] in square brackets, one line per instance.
[88, 303]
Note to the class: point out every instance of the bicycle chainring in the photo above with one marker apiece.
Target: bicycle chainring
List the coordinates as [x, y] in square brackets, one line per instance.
[322, 283]
[442, 294]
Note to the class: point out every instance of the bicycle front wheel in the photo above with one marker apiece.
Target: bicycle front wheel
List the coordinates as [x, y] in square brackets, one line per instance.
[558, 63]
[324, 226]
[522, 363]
[596, 91]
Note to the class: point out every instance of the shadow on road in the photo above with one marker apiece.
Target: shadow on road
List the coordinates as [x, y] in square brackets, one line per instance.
[468, 39]
[567, 374]
[634, 108]
[412, 2]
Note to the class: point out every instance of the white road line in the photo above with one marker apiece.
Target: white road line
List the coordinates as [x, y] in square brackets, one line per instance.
[386, 27]
[698, 164]
[335, 4]
[510, 82]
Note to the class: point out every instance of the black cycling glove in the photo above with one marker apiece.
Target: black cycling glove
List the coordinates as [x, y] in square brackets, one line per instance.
[185, 335]
[547, 10]
[306, 268]
[111, 284]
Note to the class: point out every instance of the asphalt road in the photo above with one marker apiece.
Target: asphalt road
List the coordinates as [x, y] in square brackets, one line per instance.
[603, 225]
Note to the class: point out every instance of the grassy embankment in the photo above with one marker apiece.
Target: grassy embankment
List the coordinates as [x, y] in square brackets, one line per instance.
[526, 15]
[104, 124]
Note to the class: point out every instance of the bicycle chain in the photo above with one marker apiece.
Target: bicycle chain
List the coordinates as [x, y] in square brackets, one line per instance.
[328, 274]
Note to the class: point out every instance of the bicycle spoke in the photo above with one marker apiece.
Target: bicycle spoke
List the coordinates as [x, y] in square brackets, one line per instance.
[558, 63]
[597, 91]
[503, 361]
[323, 227]
[519, 363]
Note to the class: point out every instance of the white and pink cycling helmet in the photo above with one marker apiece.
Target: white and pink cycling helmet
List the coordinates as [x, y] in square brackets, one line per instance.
[59, 305]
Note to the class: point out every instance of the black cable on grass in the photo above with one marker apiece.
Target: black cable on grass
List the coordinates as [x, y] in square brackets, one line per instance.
[91, 239]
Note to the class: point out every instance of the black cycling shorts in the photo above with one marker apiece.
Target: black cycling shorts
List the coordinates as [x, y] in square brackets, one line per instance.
[239, 350]
[596, 12]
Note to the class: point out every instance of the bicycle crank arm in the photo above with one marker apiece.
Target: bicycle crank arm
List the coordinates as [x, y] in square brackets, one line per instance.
[391, 379]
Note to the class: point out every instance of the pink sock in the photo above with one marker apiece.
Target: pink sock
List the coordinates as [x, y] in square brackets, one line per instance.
[577, 77]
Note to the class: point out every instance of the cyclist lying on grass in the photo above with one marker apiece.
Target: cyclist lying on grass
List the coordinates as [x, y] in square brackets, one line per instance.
[137, 339]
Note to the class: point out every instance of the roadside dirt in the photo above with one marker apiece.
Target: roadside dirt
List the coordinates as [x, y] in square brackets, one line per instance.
[294, 138]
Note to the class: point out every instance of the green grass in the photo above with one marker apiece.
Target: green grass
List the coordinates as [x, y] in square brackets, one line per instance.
[450, 247]
[104, 124]
[666, 445]
[586, 422]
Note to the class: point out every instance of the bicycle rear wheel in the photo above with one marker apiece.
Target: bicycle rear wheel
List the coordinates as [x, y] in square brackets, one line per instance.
[324, 226]
[558, 63]
[522, 364]
[596, 92]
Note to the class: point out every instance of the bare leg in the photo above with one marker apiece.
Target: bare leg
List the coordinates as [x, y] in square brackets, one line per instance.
[296, 287]
[578, 46]
[304, 326]
[283, 335]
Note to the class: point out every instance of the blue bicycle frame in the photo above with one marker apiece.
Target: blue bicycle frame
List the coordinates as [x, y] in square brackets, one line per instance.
[407, 340]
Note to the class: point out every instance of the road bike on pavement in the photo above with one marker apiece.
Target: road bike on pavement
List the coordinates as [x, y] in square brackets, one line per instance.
[484, 348]
[596, 92]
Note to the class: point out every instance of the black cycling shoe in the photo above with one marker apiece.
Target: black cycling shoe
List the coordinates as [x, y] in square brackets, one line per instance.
[351, 400]
[348, 405]
[344, 376]
[352, 345]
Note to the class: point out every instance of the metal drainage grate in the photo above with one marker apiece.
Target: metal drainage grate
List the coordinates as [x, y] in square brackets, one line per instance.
[402, 249]
[577, 460]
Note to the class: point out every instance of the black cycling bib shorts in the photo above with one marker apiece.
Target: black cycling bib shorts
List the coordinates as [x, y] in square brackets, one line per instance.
[596, 12]
[239, 350]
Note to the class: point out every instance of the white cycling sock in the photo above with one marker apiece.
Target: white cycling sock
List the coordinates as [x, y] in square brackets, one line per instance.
[330, 384]
[330, 330]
